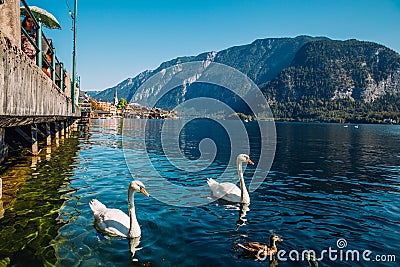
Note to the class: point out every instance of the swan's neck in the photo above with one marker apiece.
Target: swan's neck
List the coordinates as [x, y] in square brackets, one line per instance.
[244, 195]
[134, 229]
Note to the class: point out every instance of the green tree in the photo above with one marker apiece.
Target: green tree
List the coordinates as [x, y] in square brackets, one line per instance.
[122, 103]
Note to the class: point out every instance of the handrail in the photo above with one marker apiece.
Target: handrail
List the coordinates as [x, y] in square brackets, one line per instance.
[30, 39]
[30, 12]
[40, 54]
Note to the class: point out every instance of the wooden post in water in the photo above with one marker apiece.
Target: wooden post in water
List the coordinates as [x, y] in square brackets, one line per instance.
[3, 145]
[48, 134]
[35, 146]
[57, 133]
[62, 126]
[75, 126]
[67, 128]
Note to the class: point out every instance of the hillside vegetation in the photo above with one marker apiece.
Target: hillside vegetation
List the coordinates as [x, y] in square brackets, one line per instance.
[303, 78]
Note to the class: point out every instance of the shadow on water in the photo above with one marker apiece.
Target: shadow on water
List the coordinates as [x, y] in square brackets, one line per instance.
[31, 201]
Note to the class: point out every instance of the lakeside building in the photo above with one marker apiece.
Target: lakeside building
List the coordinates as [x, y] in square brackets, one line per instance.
[103, 109]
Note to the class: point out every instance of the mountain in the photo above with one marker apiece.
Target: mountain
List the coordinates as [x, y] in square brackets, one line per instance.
[332, 70]
[303, 78]
[261, 61]
[338, 81]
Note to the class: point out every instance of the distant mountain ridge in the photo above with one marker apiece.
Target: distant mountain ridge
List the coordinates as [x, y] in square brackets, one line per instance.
[332, 70]
[261, 61]
[300, 71]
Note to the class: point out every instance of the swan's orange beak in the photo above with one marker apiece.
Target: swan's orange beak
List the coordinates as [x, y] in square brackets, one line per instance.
[249, 161]
[144, 192]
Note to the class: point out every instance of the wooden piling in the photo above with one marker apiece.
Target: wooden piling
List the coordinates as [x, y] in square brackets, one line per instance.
[48, 134]
[35, 146]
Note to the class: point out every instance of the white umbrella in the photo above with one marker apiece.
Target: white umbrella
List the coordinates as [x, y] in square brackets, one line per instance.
[46, 17]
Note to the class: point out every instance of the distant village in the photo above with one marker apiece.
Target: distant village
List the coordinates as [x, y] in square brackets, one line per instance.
[101, 109]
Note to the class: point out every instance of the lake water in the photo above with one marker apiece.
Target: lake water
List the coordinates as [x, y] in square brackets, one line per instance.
[327, 183]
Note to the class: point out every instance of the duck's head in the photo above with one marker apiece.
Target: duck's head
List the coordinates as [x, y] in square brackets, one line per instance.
[138, 186]
[244, 158]
[275, 238]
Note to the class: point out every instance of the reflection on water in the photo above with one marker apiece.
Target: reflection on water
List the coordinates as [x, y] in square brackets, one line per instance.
[243, 209]
[1, 209]
[32, 199]
[327, 182]
[134, 246]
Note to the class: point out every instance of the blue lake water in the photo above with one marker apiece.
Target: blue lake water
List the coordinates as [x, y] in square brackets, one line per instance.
[327, 182]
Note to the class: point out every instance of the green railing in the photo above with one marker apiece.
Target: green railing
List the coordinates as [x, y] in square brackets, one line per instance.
[56, 67]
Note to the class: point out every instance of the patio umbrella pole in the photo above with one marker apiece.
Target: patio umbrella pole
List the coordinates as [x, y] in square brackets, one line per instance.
[74, 59]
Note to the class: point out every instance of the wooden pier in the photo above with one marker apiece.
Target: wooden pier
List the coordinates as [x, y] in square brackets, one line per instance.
[33, 108]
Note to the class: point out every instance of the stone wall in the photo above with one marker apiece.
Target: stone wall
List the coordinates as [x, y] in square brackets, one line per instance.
[10, 23]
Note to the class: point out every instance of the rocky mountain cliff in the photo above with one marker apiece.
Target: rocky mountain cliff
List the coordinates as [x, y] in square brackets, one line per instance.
[300, 73]
[330, 70]
[261, 61]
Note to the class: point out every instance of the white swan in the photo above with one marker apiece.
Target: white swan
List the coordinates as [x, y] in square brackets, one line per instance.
[229, 191]
[115, 222]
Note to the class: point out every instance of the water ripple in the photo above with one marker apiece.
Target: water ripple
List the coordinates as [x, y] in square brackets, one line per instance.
[326, 183]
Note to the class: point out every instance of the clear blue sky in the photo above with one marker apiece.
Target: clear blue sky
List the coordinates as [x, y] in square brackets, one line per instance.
[119, 39]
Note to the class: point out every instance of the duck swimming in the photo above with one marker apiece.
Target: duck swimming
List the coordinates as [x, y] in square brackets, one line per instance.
[261, 251]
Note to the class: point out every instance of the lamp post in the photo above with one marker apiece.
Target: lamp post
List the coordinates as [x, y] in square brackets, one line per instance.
[73, 87]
